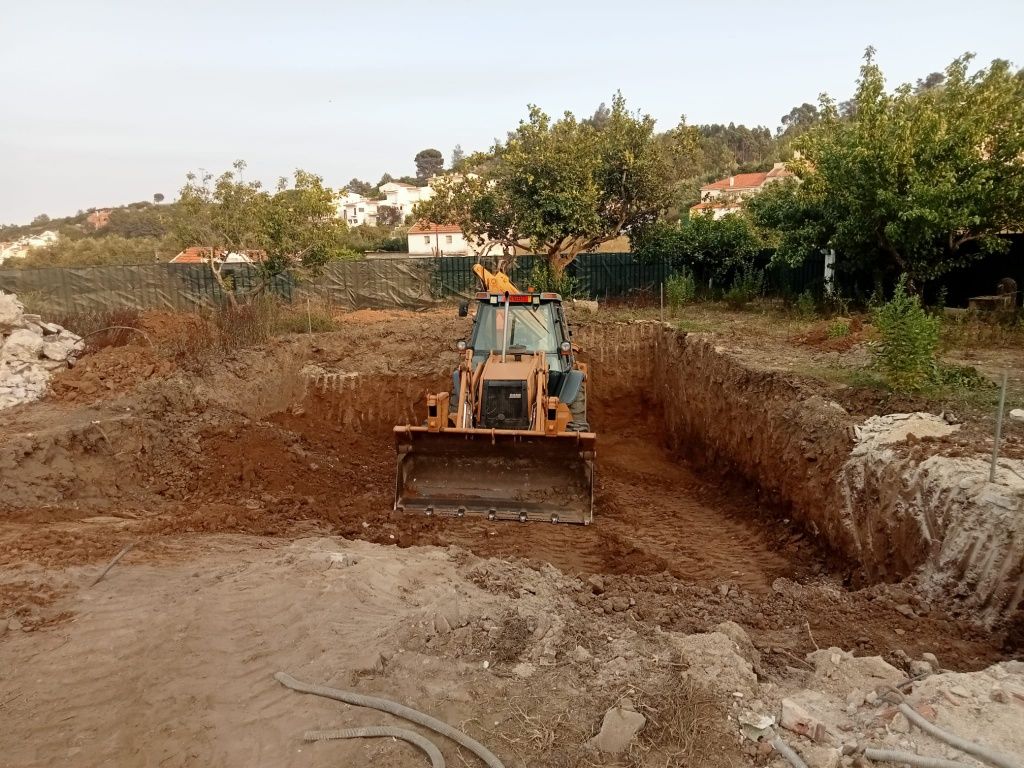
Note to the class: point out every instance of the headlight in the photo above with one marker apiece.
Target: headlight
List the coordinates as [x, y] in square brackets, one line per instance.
[460, 345]
[566, 347]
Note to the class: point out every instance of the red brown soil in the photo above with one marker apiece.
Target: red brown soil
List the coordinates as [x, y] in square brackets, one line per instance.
[109, 371]
[819, 337]
[691, 548]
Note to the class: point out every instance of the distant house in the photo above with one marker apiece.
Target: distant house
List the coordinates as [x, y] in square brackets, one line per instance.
[426, 239]
[199, 254]
[726, 195]
[19, 249]
[98, 219]
[356, 209]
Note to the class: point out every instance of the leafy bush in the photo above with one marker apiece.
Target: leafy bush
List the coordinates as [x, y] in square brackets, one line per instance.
[806, 306]
[543, 278]
[680, 289]
[838, 329]
[906, 353]
[960, 377]
[747, 285]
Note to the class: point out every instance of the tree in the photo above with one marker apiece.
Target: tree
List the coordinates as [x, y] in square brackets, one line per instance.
[137, 222]
[562, 186]
[359, 187]
[457, 157]
[600, 117]
[799, 119]
[40, 220]
[934, 80]
[158, 198]
[389, 216]
[429, 163]
[913, 177]
[715, 249]
[294, 226]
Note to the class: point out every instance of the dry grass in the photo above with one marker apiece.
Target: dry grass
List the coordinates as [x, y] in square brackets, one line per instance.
[512, 640]
[685, 726]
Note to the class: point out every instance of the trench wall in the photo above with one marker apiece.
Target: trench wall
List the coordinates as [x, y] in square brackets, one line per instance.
[936, 520]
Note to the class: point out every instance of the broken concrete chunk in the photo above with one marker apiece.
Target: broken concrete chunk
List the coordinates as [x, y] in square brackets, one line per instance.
[22, 345]
[798, 718]
[11, 311]
[619, 728]
[821, 757]
[755, 726]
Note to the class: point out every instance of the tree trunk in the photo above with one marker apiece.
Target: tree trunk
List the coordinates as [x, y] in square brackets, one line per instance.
[215, 268]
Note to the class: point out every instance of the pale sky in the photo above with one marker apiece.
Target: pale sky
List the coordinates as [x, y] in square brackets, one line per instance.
[105, 102]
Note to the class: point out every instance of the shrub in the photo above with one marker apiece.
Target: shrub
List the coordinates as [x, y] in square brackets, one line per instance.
[906, 353]
[806, 306]
[838, 329]
[543, 278]
[680, 289]
[747, 285]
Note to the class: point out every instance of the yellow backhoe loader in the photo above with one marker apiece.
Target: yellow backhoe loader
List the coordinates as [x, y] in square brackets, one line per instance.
[510, 441]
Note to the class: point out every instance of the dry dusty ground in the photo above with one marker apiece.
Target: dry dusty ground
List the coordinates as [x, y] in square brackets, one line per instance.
[235, 475]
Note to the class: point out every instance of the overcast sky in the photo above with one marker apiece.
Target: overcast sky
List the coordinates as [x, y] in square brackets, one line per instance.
[103, 103]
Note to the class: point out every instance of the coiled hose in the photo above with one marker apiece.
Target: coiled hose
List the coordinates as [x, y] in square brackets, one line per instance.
[909, 758]
[982, 753]
[436, 759]
[787, 752]
[394, 708]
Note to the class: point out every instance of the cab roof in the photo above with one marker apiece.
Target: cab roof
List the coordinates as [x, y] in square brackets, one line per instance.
[527, 297]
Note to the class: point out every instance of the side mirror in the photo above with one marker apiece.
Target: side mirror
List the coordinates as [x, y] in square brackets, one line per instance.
[463, 308]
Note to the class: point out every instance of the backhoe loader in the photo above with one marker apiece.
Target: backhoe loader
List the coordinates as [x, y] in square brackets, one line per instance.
[510, 441]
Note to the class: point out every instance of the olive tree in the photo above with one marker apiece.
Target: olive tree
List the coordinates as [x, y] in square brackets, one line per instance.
[561, 187]
[912, 177]
[294, 225]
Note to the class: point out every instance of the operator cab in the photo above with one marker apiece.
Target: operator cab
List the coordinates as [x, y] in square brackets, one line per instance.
[536, 323]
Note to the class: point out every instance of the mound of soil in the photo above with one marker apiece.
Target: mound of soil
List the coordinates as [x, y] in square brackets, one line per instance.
[109, 371]
[829, 335]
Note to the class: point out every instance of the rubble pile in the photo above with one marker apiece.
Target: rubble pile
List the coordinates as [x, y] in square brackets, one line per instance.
[30, 350]
[851, 706]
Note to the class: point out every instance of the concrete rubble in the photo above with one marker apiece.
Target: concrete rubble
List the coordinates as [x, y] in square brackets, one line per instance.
[30, 351]
[620, 726]
[850, 704]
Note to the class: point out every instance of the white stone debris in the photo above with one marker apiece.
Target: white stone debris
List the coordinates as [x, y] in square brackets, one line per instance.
[30, 350]
[968, 529]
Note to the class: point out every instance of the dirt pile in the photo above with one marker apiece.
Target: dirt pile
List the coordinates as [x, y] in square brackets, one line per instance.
[109, 371]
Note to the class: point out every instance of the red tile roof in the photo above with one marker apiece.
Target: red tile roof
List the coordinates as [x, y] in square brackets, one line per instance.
[194, 255]
[746, 180]
[426, 228]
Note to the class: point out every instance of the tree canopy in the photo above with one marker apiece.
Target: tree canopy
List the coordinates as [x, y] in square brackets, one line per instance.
[912, 177]
[429, 163]
[294, 224]
[562, 186]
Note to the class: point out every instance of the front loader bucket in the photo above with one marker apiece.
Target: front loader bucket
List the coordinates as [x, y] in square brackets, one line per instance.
[499, 474]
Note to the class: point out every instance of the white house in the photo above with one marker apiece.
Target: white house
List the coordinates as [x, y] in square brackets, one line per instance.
[427, 239]
[404, 196]
[19, 249]
[356, 209]
[726, 195]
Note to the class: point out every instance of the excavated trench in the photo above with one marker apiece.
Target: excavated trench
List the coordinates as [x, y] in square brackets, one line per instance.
[708, 468]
